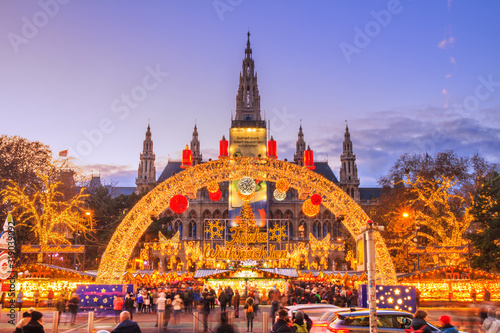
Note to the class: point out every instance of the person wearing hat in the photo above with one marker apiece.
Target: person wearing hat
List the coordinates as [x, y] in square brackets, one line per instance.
[24, 321]
[446, 326]
[35, 325]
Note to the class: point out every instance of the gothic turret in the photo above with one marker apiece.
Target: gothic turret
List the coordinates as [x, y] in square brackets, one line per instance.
[349, 181]
[195, 147]
[248, 98]
[301, 147]
[146, 176]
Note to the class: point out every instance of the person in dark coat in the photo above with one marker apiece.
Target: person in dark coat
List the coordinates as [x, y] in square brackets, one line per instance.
[35, 325]
[275, 306]
[281, 325]
[205, 310]
[73, 307]
[224, 326]
[126, 325]
[419, 321]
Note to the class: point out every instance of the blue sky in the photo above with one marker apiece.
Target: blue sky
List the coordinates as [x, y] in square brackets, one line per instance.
[424, 77]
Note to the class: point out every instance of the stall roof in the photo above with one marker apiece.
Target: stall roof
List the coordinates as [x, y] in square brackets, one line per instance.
[349, 273]
[201, 273]
[288, 272]
[69, 270]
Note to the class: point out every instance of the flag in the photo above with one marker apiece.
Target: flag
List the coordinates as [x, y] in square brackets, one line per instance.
[63, 153]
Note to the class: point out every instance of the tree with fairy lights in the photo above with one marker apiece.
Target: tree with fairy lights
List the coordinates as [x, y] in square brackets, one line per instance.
[486, 237]
[428, 199]
[246, 218]
[46, 213]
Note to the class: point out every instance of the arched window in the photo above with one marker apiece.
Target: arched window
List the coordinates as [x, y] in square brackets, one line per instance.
[289, 229]
[278, 214]
[288, 214]
[335, 231]
[327, 215]
[192, 215]
[207, 215]
[178, 227]
[316, 229]
[327, 228]
[225, 215]
[192, 229]
[217, 214]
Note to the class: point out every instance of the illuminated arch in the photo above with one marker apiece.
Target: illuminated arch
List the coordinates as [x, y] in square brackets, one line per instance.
[114, 260]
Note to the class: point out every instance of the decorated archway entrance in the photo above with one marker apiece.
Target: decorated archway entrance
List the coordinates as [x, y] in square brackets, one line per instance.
[126, 236]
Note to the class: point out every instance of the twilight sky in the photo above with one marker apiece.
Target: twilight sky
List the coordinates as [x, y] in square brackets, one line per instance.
[408, 76]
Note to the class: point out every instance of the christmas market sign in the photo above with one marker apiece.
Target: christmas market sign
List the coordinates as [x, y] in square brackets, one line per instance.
[53, 248]
[437, 249]
[234, 250]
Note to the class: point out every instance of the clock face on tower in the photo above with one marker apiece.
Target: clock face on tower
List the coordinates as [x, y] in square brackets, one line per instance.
[248, 117]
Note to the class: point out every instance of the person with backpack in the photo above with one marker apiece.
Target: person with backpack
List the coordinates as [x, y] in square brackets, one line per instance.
[281, 325]
[250, 314]
[299, 326]
[418, 324]
[446, 326]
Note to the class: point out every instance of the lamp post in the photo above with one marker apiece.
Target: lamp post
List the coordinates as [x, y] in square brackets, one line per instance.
[417, 227]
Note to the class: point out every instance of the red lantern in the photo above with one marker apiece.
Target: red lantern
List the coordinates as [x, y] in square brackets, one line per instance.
[215, 196]
[309, 159]
[187, 158]
[271, 149]
[316, 199]
[179, 204]
[223, 148]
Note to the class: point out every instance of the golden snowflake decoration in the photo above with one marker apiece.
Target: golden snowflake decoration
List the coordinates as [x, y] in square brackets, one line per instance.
[214, 229]
[277, 233]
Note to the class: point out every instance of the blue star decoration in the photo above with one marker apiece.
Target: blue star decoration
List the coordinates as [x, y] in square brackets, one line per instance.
[99, 297]
[391, 297]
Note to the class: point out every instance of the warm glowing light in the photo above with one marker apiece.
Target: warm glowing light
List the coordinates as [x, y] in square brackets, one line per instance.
[282, 185]
[114, 260]
[309, 208]
[213, 187]
[246, 198]
[316, 199]
[406, 214]
[279, 195]
[246, 186]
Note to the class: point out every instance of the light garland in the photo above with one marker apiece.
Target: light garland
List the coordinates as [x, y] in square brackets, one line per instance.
[213, 187]
[279, 195]
[115, 258]
[282, 185]
[246, 186]
[309, 208]
[245, 197]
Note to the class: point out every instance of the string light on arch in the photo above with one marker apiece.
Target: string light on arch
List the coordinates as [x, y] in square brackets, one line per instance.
[245, 197]
[282, 185]
[117, 254]
[213, 187]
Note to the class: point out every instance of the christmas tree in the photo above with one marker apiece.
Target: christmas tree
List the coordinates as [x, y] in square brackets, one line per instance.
[246, 218]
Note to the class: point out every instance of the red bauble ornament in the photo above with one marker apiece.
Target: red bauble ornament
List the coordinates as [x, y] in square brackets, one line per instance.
[215, 196]
[179, 204]
[316, 199]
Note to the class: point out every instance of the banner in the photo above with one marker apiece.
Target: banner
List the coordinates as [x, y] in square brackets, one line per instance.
[248, 142]
[437, 249]
[52, 248]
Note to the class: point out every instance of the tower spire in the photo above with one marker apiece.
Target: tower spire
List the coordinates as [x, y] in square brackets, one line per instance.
[195, 146]
[146, 174]
[301, 147]
[349, 180]
[248, 98]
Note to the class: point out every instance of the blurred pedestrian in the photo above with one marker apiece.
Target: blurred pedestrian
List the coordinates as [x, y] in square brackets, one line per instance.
[224, 326]
[73, 307]
[117, 307]
[275, 306]
[495, 324]
[446, 326]
[126, 324]
[299, 325]
[50, 298]
[60, 306]
[24, 321]
[35, 325]
[236, 303]
[205, 310]
[490, 318]
[250, 314]
[282, 324]
[419, 322]
[177, 306]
